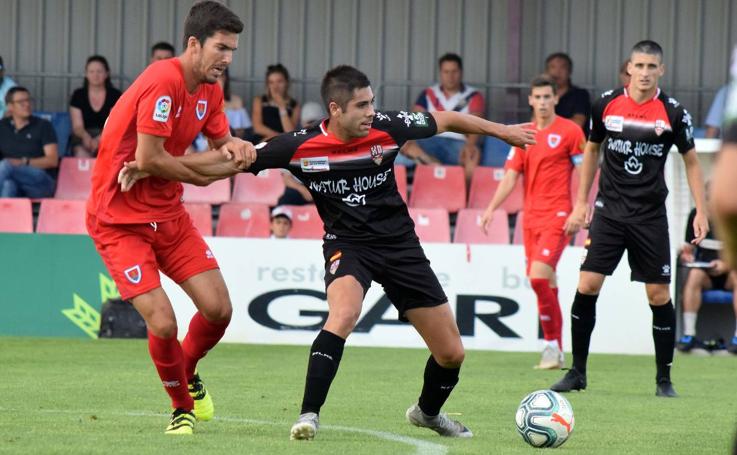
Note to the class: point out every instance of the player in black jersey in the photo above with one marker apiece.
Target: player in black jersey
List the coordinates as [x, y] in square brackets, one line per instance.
[637, 125]
[347, 164]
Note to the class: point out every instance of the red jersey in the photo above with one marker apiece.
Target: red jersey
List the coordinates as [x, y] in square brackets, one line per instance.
[547, 168]
[159, 104]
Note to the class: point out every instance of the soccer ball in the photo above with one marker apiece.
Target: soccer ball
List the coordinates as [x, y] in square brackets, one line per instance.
[544, 419]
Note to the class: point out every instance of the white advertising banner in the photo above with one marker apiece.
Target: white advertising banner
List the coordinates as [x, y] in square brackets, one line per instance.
[278, 296]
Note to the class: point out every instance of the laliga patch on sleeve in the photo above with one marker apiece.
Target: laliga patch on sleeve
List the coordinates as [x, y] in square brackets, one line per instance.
[162, 108]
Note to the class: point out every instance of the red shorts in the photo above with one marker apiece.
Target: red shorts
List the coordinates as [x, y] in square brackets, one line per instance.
[545, 244]
[134, 253]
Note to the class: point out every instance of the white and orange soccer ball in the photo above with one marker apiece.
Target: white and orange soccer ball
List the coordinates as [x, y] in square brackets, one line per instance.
[545, 419]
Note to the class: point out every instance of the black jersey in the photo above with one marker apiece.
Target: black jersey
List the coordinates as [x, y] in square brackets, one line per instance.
[353, 182]
[636, 140]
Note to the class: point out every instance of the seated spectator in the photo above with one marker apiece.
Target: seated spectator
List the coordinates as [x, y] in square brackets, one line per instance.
[240, 122]
[573, 102]
[27, 149]
[90, 105]
[624, 76]
[6, 83]
[715, 116]
[706, 271]
[312, 114]
[161, 51]
[450, 94]
[275, 111]
[281, 222]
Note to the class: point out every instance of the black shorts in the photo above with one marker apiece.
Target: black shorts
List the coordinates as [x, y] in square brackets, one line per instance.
[647, 245]
[401, 268]
[719, 282]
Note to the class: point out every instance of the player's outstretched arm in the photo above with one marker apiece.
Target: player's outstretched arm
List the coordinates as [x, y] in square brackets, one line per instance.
[517, 135]
[696, 184]
[500, 195]
[579, 217]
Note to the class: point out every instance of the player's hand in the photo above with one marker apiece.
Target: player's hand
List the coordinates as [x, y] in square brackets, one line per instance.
[129, 175]
[687, 256]
[700, 227]
[520, 135]
[486, 220]
[577, 219]
[718, 267]
[243, 153]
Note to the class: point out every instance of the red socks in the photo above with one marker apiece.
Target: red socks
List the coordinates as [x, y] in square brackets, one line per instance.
[167, 356]
[549, 310]
[202, 336]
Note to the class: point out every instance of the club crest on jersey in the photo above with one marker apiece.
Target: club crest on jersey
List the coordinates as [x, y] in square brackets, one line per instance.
[201, 109]
[377, 154]
[133, 274]
[659, 126]
[162, 108]
[553, 140]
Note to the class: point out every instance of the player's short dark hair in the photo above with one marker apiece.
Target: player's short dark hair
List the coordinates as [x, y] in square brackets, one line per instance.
[13, 90]
[543, 80]
[209, 17]
[163, 46]
[648, 47]
[451, 57]
[563, 56]
[339, 83]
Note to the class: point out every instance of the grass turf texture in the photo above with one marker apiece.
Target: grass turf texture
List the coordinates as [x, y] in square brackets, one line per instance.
[72, 397]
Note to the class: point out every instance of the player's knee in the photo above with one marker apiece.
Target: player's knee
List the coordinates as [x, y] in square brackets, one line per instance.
[588, 288]
[346, 318]
[162, 327]
[451, 358]
[658, 295]
[218, 313]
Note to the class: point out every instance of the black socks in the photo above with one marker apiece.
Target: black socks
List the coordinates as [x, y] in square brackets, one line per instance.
[439, 382]
[325, 355]
[664, 337]
[583, 318]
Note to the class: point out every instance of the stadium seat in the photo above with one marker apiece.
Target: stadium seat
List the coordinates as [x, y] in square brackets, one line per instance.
[306, 222]
[431, 225]
[494, 152]
[217, 192]
[243, 219]
[717, 296]
[58, 216]
[201, 217]
[484, 182]
[17, 215]
[468, 228]
[75, 176]
[264, 188]
[518, 236]
[400, 173]
[439, 187]
[62, 123]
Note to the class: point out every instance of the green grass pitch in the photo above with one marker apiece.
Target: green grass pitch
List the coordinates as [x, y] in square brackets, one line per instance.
[86, 397]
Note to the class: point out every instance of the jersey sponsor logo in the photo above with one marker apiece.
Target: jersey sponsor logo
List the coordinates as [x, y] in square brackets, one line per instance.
[162, 109]
[316, 164]
[659, 126]
[330, 186]
[201, 109]
[633, 165]
[420, 119]
[639, 148]
[354, 200]
[377, 154]
[614, 123]
[553, 140]
[133, 274]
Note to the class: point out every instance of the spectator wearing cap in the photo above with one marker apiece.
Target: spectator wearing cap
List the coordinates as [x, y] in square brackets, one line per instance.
[281, 222]
[6, 84]
[28, 149]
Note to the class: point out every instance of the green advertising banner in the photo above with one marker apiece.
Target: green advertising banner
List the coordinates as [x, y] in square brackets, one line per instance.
[51, 285]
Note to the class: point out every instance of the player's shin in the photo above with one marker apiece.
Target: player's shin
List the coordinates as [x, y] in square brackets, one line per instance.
[547, 306]
[664, 337]
[167, 356]
[325, 355]
[439, 383]
[583, 319]
[202, 336]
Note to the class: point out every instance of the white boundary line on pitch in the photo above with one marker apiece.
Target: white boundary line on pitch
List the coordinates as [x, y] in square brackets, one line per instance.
[422, 447]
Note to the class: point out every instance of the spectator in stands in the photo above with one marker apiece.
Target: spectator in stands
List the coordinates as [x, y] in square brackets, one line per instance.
[238, 118]
[312, 113]
[6, 84]
[715, 116]
[161, 51]
[706, 270]
[281, 222]
[275, 111]
[27, 148]
[573, 102]
[624, 76]
[450, 94]
[90, 105]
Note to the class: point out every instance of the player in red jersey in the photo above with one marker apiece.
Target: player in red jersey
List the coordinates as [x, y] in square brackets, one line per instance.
[547, 167]
[146, 230]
